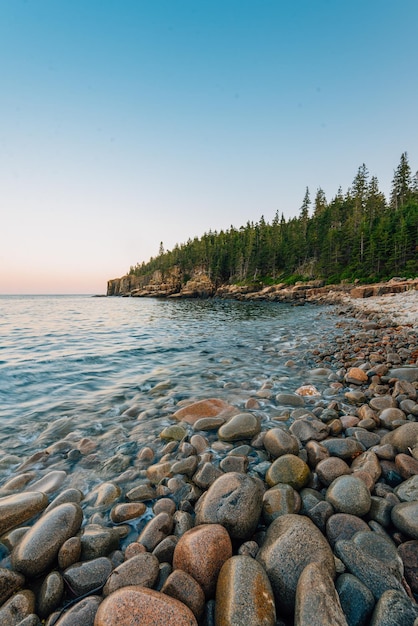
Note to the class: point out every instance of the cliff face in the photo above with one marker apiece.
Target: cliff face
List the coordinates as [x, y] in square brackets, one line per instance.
[174, 285]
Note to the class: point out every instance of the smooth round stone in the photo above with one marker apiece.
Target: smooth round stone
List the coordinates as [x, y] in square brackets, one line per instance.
[97, 541]
[394, 608]
[127, 511]
[201, 552]
[409, 374]
[309, 429]
[406, 465]
[241, 426]
[234, 464]
[39, 547]
[381, 548]
[206, 475]
[164, 551]
[106, 493]
[155, 473]
[68, 495]
[317, 602]
[291, 543]
[389, 417]
[175, 432]
[88, 576]
[367, 462]
[355, 396]
[157, 529]
[19, 508]
[233, 500]
[357, 613]
[31, 620]
[290, 399]
[408, 552]
[316, 453]
[280, 500]
[402, 438]
[50, 595]
[307, 390]
[208, 423]
[408, 490]
[183, 587]
[82, 613]
[331, 468]
[343, 448]
[349, 494]
[123, 607]
[356, 376]
[288, 469]
[380, 511]
[379, 403]
[369, 570]
[164, 505]
[278, 442]
[140, 570]
[405, 518]
[244, 594]
[141, 493]
[50, 482]
[19, 606]
[16, 483]
[69, 553]
[10, 582]
[213, 407]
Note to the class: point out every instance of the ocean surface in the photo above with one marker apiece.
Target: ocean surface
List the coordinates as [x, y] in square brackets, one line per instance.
[113, 370]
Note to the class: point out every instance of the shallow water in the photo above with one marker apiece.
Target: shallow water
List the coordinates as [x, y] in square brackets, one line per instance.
[115, 369]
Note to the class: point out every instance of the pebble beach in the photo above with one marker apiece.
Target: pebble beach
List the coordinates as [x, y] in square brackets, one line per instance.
[310, 518]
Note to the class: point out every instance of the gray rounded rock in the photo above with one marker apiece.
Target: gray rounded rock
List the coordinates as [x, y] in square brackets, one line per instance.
[278, 442]
[241, 426]
[317, 602]
[18, 508]
[88, 576]
[291, 543]
[349, 494]
[84, 612]
[394, 608]
[405, 518]
[140, 570]
[235, 501]
[356, 613]
[40, 545]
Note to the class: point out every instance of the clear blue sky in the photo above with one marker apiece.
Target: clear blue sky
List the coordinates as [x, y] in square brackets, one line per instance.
[124, 123]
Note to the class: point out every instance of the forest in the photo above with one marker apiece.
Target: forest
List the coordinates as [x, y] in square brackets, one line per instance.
[357, 235]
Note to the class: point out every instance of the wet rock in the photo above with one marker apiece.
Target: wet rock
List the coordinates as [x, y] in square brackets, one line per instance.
[331, 468]
[208, 423]
[278, 442]
[68, 495]
[127, 511]
[369, 570]
[349, 494]
[367, 462]
[290, 399]
[405, 518]
[402, 438]
[241, 426]
[106, 493]
[356, 376]
[408, 552]
[233, 500]
[244, 594]
[183, 587]
[288, 469]
[344, 526]
[343, 448]
[50, 595]
[164, 551]
[409, 374]
[97, 541]
[88, 576]
[69, 553]
[142, 493]
[406, 465]
[39, 547]
[174, 431]
[381, 548]
[391, 418]
[234, 464]
[309, 429]
[280, 500]
[19, 606]
[155, 473]
[82, 613]
[206, 475]
[408, 490]
[291, 543]
[380, 511]
[140, 570]
[213, 407]
[10, 582]
[155, 609]
[201, 552]
[156, 530]
[356, 613]
[316, 453]
[19, 508]
[185, 466]
[394, 608]
[317, 601]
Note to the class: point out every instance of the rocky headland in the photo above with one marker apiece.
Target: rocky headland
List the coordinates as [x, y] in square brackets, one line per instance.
[310, 518]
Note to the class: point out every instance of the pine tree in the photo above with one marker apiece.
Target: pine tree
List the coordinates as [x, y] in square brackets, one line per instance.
[401, 183]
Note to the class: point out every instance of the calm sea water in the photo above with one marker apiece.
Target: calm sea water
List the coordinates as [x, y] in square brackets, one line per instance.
[115, 369]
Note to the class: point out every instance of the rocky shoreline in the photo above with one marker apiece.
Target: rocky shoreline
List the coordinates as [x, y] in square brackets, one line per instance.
[310, 518]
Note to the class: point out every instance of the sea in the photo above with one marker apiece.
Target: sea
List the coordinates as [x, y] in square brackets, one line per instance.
[112, 371]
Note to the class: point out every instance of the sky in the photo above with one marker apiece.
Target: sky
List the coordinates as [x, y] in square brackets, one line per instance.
[126, 123]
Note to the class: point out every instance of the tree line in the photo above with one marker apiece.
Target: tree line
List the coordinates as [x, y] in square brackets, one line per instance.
[356, 235]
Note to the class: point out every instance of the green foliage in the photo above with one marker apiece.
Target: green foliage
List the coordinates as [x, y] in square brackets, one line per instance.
[356, 236]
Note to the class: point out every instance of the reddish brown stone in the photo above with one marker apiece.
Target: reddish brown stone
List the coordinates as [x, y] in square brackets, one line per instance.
[137, 605]
[201, 552]
[212, 407]
[183, 587]
[406, 465]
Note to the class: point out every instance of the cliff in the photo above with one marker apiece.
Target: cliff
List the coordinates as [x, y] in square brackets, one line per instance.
[173, 284]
